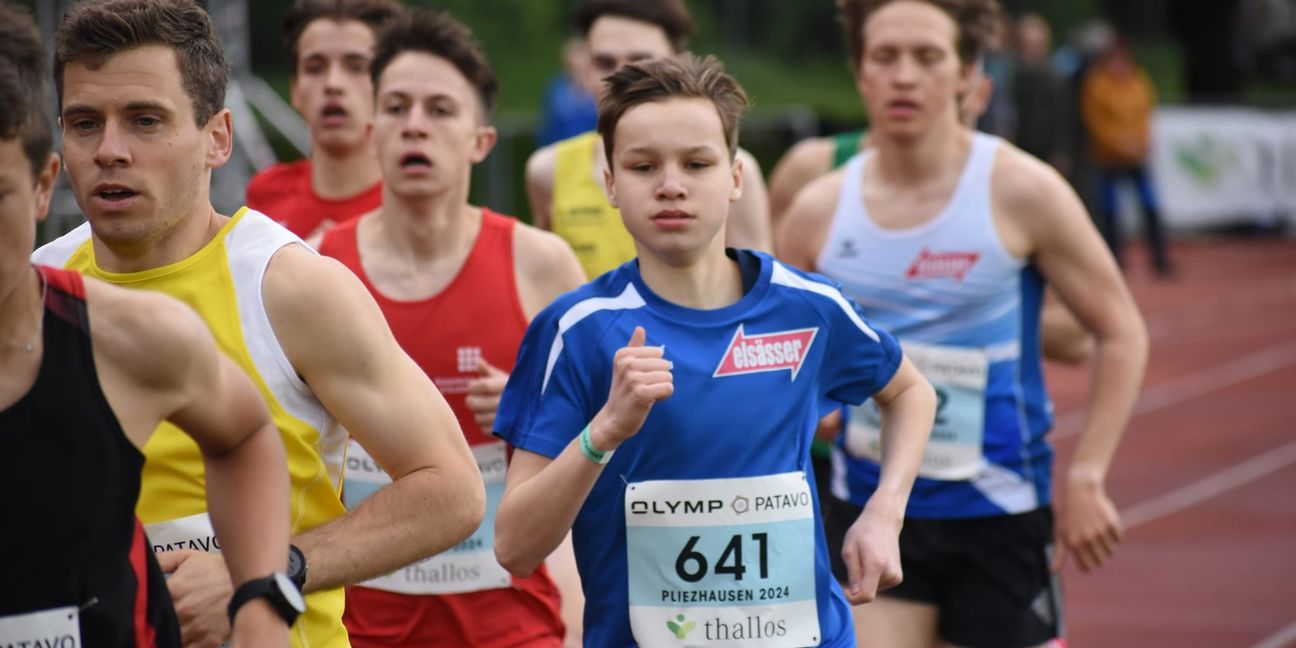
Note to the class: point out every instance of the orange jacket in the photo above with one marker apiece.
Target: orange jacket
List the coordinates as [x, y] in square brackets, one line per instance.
[1117, 112]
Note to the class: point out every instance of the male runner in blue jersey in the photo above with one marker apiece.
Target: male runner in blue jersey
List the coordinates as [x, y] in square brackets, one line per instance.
[680, 460]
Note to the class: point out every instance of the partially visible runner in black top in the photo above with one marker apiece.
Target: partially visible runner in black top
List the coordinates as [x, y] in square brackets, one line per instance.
[71, 480]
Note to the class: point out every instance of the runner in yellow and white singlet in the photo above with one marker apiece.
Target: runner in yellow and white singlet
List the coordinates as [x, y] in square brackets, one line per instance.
[141, 87]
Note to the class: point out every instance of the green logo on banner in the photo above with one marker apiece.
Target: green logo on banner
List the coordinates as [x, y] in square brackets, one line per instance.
[1205, 158]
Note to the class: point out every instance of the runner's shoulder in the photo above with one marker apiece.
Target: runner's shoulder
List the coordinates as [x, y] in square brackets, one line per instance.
[149, 335]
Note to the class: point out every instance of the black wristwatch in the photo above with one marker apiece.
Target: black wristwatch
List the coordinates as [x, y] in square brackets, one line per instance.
[284, 597]
[297, 567]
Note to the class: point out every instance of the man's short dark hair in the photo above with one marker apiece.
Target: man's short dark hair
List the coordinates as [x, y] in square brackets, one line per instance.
[374, 13]
[672, 16]
[23, 113]
[677, 77]
[437, 33]
[977, 21]
[95, 30]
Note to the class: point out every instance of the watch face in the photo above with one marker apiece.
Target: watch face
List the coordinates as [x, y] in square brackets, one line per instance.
[290, 592]
[294, 561]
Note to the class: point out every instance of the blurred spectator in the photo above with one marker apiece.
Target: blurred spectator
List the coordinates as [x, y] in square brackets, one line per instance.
[569, 108]
[1117, 103]
[1037, 90]
[1072, 61]
[1000, 117]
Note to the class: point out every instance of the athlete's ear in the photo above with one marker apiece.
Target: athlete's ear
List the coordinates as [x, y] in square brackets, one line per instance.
[968, 73]
[609, 186]
[219, 133]
[45, 185]
[483, 141]
[736, 192]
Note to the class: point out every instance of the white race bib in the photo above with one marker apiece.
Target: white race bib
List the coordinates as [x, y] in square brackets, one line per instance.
[469, 566]
[722, 562]
[959, 376]
[57, 628]
[192, 532]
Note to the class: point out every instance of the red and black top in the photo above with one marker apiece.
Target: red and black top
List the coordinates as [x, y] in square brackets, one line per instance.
[70, 481]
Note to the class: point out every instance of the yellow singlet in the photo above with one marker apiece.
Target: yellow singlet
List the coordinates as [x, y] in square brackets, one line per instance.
[222, 282]
[581, 213]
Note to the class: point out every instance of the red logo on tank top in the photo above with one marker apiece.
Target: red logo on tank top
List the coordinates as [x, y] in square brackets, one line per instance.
[942, 265]
[766, 352]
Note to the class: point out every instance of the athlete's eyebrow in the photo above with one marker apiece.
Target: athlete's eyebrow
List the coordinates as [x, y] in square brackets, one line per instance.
[78, 109]
[691, 150]
[144, 104]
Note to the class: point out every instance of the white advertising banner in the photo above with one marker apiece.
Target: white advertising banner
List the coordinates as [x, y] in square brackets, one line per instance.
[1219, 165]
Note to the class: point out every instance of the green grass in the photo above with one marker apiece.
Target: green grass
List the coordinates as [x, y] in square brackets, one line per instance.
[824, 85]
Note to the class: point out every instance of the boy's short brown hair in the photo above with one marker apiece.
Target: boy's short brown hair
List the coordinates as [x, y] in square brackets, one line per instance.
[23, 113]
[437, 33]
[374, 13]
[95, 30]
[679, 77]
[977, 21]
[672, 16]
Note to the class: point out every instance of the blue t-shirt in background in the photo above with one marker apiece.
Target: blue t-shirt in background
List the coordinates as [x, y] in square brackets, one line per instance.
[568, 111]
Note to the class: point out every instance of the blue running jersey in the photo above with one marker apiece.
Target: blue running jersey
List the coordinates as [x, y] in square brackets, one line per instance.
[721, 542]
[967, 313]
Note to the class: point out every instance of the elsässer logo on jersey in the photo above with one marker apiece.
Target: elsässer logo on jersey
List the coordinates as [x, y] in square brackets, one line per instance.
[941, 265]
[775, 351]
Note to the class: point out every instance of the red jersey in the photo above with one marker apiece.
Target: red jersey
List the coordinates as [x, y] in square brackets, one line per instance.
[284, 193]
[478, 315]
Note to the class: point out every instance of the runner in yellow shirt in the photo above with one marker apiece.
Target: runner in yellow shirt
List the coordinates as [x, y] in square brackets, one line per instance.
[141, 86]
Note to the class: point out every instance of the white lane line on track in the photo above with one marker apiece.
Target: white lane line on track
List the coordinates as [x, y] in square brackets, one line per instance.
[1280, 639]
[1210, 486]
[1193, 385]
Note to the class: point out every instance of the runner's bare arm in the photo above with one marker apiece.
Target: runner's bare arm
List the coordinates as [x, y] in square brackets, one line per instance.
[542, 496]
[871, 549]
[544, 267]
[748, 225]
[525, 536]
[1048, 223]
[805, 161]
[539, 185]
[1062, 337]
[804, 230]
[337, 340]
[158, 361]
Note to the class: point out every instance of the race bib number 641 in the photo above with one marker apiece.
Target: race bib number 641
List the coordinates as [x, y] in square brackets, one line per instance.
[722, 562]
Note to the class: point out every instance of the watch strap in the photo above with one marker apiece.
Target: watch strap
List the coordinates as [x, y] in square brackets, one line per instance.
[267, 588]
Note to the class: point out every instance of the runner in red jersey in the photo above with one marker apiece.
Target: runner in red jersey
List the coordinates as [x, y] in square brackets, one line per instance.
[330, 44]
[458, 285]
[284, 192]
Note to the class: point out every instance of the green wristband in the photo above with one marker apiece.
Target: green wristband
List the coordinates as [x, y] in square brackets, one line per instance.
[595, 455]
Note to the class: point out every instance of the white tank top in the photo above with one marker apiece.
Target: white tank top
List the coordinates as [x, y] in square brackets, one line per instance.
[967, 311]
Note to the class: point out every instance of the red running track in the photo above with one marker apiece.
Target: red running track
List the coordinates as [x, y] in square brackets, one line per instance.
[1206, 476]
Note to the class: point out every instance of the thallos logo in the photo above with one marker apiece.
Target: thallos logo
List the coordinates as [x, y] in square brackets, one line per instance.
[775, 351]
[680, 626]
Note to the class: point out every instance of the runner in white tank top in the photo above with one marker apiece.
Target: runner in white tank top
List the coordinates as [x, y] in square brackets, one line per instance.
[946, 237]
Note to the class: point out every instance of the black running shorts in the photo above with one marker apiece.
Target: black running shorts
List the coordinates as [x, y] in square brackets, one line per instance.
[988, 577]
